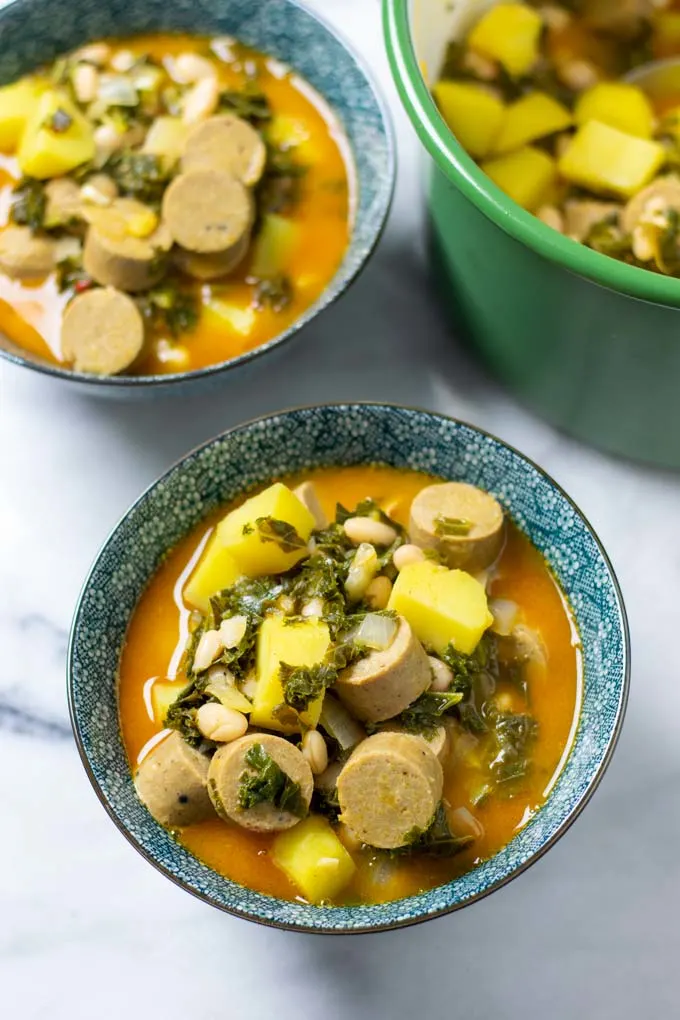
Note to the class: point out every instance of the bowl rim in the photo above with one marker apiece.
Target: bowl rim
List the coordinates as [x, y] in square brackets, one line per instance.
[329, 295]
[459, 167]
[405, 922]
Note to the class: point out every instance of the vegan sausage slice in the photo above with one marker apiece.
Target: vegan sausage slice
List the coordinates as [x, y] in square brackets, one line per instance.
[384, 683]
[115, 254]
[102, 331]
[209, 267]
[23, 256]
[208, 211]
[463, 523]
[226, 142]
[172, 782]
[229, 766]
[390, 787]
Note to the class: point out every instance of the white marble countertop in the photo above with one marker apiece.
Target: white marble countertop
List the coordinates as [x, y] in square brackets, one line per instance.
[88, 931]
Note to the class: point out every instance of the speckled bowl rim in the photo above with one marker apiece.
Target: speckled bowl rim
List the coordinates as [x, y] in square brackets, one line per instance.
[335, 288]
[452, 159]
[402, 922]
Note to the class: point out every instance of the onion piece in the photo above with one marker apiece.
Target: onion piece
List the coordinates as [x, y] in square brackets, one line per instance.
[339, 724]
[376, 631]
[223, 687]
[463, 823]
[505, 613]
[117, 90]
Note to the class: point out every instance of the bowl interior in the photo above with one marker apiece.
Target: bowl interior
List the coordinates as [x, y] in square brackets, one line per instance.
[257, 453]
[35, 32]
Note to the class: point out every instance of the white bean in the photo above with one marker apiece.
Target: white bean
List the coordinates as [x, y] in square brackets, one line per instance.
[407, 554]
[552, 217]
[209, 646]
[200, 100]
[233, 630]
[366, 529]
[378, 592]
[442, 675]
[99, 190]
[314, 607]
[219, 723]
[123, 61]
[85, 82]
[315, 752]
[107, 139]
[578, 74]
[191, 67]
[97, 53]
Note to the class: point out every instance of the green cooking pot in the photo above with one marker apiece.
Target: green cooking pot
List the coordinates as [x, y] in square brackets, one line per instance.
[590, 343]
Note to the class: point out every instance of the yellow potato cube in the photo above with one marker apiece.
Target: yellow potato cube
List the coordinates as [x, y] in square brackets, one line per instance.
[314, 859]
[508, 33]
[473, 114]
[526, 175]
[609, 161]
[442, 606]
[57, 138]
[302, 643]
[163, 694]
[621, 106]
[239, 319]
[533, 116]
[217, 569]
[17, 104]
[274, 246]
[254, 553]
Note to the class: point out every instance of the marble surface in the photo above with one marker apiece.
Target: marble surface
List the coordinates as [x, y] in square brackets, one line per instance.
[89, 930]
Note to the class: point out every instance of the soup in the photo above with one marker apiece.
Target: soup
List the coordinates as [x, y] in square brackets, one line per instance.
[539, 95]
[167, 202]
[350, 705]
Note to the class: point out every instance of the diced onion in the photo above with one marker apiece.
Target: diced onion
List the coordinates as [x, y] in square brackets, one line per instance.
[362, 570]
[505, 613]
[339, 724]
[117, 90]
[376, 631]
[463, 823]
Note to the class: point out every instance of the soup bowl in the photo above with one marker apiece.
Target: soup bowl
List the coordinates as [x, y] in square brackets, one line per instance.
[257, 453]
[587, 341]
[34, 32]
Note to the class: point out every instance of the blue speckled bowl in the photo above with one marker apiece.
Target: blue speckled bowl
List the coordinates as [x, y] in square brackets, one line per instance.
[311, 437]
[34, 32]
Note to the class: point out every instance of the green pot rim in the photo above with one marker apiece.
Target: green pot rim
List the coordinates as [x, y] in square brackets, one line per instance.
[460, 168]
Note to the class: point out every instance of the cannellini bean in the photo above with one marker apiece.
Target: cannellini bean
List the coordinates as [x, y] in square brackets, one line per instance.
[191, 67]
[315, 752]
[233, 630]
[85, 82]
[378, 592]
[556, 18]
[219, 723]
[219, 674]
[463, 823]
[552, 217]
[123, 61]
[407, 554]
[442, 675]
[481, 67]
[286, 604]
[107, 139]
[366, 529]
[99, 190]
[362, 570]
[200, 100]
[96, 53]
[314, 607]
[209, 646]
[578, 74]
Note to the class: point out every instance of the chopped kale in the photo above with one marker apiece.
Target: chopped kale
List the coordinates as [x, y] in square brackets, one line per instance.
[181, 715]
[513, 733]
[325, 802]
[436, 841]
[607, 238]
[281, 533]
[669, 246]
[172, 307]
[304, 684]
[29, 203]
[425, 714]
[265, 782]
[139, 174]
[281, 184]
[248, 104]
[468, 668]
[449, 527]
[71, 275]
[275, 292]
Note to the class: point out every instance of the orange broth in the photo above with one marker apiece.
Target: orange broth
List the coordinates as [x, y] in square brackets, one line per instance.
[158, 630]
[30, 314]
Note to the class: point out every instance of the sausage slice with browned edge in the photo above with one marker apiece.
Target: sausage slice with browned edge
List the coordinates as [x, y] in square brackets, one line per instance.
[228, 767]
[209, 267]
[384, 683]
[208, 211]
[102, 331]
[226, 142]
[125, 245]
[172, 782]
[23, 256]
[463, 523]
[389, 789]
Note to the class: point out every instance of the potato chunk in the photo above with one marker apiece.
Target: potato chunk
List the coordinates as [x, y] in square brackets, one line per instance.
[57, 137]
[163, 694]
[254, 552]
[533, 116]
[217, 569]
[508, 33]
[279, 640]
[314, 859]
[473, 114]
[525, 175]
[17, 104]
[442, 606]
[609, 161]
[619, 105]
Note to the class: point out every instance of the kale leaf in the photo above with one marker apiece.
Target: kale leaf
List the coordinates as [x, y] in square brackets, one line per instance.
[139, 174]
[275, 292]
[248, 104]
[436, 841]
[304, 684]
[172, 307]
[513, 733]
[281, 533]
[265, 782]
[29, 203]
[425, 714]
[451, 527]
